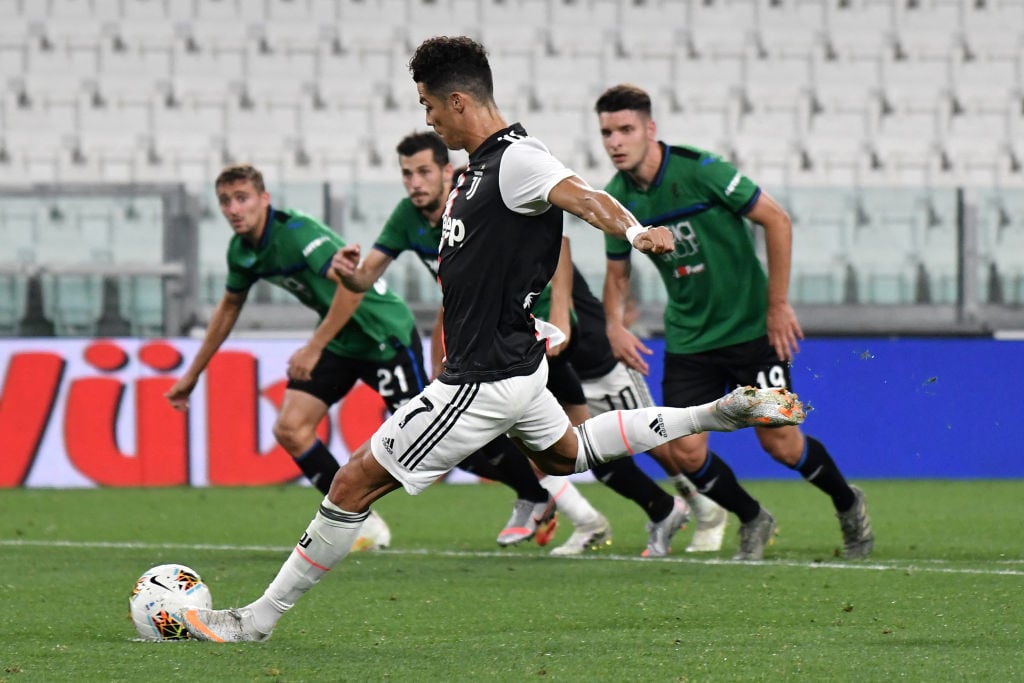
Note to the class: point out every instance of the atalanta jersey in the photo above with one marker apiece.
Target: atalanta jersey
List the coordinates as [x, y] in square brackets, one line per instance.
[294, 253]
[407, 229]
[499, 247]
[717, 287]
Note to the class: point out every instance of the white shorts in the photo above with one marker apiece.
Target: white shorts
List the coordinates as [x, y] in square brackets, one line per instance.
[623, 388]
[445, 423]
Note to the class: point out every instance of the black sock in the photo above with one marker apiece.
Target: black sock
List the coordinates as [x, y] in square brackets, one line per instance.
[818, 468]
[627, 479]
[500, 460]
[319, 466]
[716, 480]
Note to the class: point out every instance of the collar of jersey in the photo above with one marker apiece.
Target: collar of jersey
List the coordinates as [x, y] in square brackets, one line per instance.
[265, 238]
[661, 170]
[487, 144]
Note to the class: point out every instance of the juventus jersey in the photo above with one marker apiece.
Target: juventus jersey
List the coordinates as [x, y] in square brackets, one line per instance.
[499, 247]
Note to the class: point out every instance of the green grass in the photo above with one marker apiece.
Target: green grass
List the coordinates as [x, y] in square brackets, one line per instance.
[940, 599]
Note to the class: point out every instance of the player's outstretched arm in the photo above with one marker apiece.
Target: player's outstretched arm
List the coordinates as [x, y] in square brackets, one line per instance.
[222, 321]
[605, 213]
[355, 273]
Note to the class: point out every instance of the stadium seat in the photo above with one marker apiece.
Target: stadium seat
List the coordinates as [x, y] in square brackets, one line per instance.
[208, 73]
[977, 143]
[987, 78]
[561, 131]
[41, 126]
[149, 10]
[711, 82]
[223, 11]
[993, 27]
[916, 82]
[565, 81]
[12, 302]
[778, 80]
[860, 28]
[710, 129]
[846, 79]
[718, 29]
[884, 246]
[835, 144]
[766, 144]
[142, 304]
[937, 252]
[73, 303]
[114, 130]
[284, 75]
[1001, 240]
[426, 18]
[194, 128]
[355, 78]
[821, 227]
[789, 28]
[19, 225]
[907, 147]
[581, 26]
[513, 78]
[334, 133]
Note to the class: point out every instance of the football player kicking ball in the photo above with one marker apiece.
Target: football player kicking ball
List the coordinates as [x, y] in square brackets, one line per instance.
[368, 335]
[502, 236]
[414, 226]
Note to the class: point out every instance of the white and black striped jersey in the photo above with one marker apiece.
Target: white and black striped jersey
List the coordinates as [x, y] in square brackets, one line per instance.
[499, 248]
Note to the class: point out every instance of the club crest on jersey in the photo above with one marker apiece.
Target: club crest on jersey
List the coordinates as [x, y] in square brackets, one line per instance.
[453, 230]
[473, 184]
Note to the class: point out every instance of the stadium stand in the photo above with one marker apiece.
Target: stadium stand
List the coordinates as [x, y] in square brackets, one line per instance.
[832, 97]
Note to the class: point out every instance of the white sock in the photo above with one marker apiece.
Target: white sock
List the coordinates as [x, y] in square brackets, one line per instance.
[326, 542]
[570, 501]
[619, 433]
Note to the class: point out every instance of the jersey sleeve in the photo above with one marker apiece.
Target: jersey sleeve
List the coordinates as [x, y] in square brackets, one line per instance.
[735, 190]
[316, 241]
[238, 280]
[528, 172]
[393, 238]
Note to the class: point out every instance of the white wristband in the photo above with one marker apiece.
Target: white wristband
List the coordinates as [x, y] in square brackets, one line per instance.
[632, 231]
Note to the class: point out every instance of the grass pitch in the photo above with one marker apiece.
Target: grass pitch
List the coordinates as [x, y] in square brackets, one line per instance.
[939, 600]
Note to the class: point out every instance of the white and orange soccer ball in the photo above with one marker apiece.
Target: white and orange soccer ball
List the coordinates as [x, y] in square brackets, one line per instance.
[160, 594]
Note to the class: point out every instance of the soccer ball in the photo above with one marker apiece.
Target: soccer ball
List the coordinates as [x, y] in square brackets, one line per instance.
[160, 594]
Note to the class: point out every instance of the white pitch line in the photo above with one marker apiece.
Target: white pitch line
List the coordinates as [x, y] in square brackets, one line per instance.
[924, 566]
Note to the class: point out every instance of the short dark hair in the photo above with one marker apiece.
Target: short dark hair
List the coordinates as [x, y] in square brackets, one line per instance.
[239, 172]
[445, 64]
[417, 142]
[624, 96]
